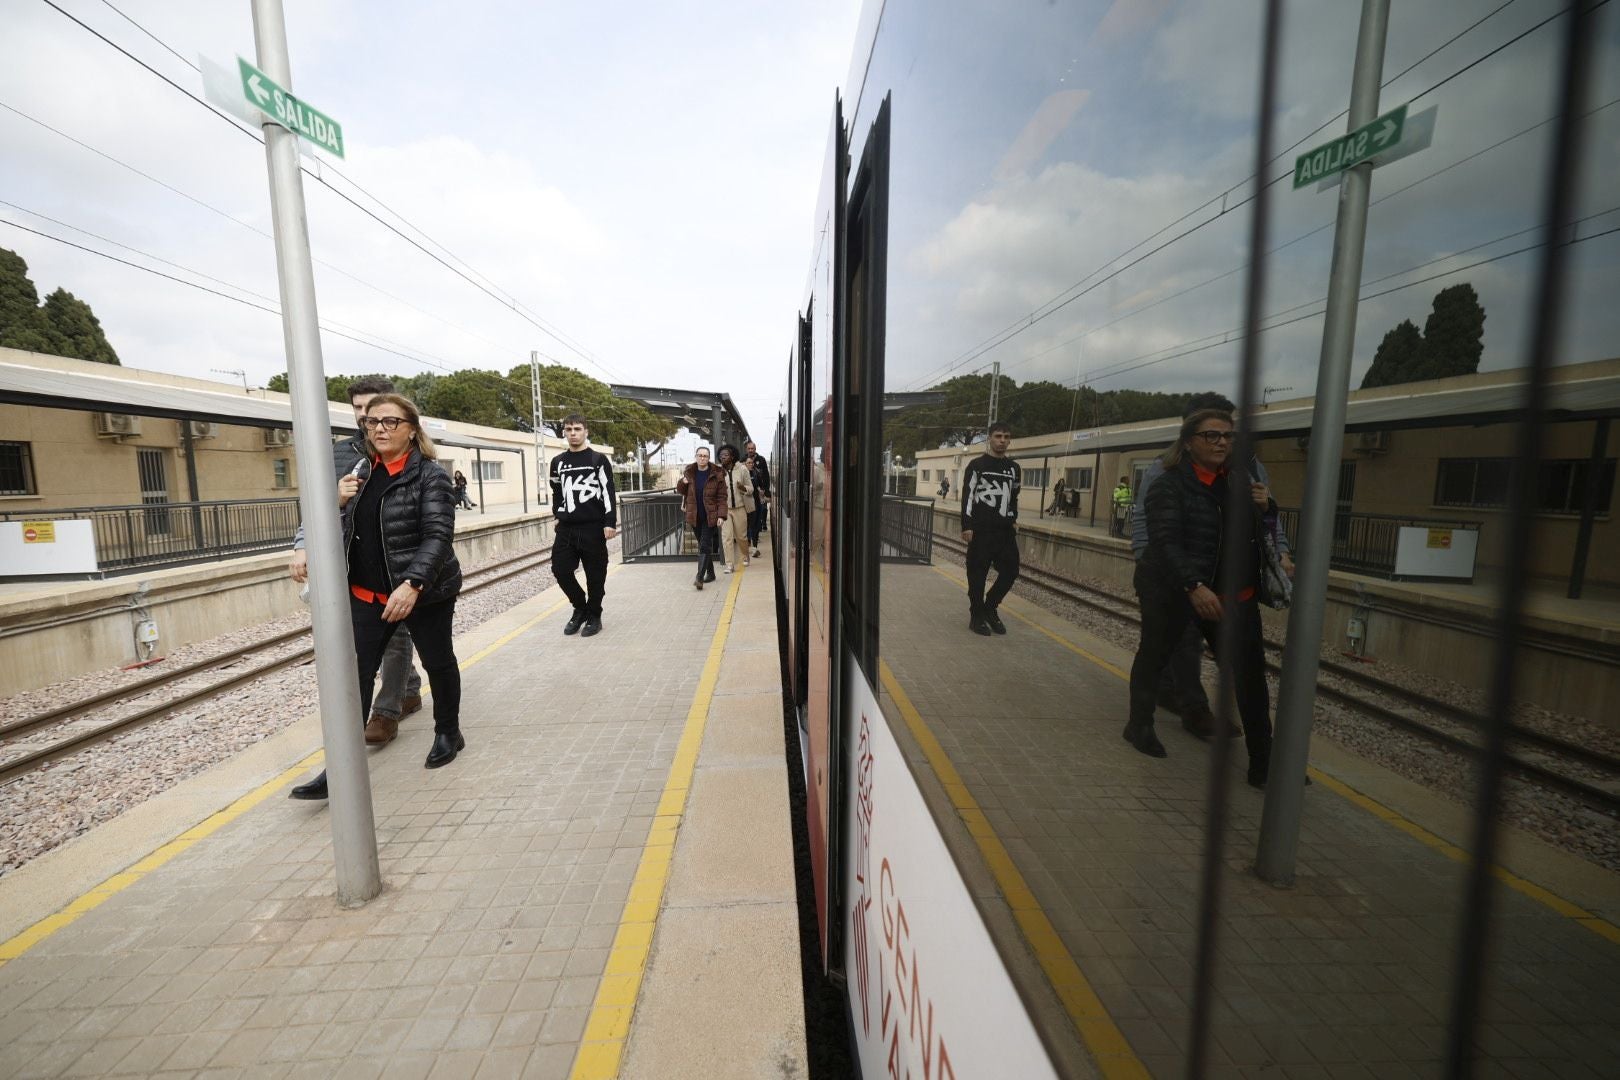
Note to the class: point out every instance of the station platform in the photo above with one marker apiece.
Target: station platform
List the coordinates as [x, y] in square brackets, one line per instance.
[1090, 854]
[612, 848]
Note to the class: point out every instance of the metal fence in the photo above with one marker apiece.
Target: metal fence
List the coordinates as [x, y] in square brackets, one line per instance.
[1366, 543]
[908, 530]
[146, 536]
[652, 527]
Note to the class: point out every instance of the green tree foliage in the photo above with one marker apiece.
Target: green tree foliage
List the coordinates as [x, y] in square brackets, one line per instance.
[617, 422]
[78, 327]
[1452, 342]
[337, 386]
[1036, 408]
[22, 321]
[1398, 355]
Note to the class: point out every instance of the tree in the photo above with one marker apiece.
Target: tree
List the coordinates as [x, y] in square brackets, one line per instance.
[623, 424]
[22, 322]
[79, 328]
[1454, 335]
[1452, 342]
[337, 386]
[470, 396]
[1397, 358]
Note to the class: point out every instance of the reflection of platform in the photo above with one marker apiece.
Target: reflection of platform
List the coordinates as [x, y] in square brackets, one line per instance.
[1349, 968]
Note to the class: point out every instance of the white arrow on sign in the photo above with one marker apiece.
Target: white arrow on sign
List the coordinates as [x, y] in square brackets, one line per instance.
[264, 95]
[1383, 134]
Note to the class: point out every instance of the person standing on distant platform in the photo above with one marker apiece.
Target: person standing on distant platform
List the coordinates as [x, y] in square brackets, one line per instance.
[990, 487]
[587, 512]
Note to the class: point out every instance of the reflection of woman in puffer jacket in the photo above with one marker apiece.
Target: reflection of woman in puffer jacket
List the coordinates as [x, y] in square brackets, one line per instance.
[703, 498]
[399, 527]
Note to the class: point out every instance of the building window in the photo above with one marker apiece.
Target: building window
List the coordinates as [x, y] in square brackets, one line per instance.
[488, 470]
[925, 474]
[17, 469]
[283, 472]
[1078, 479]
[1034, 479]
[1482, 484]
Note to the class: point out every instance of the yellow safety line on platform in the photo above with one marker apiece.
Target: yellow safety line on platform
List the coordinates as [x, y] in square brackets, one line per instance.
[1551, 900]
[607, 1029]
[89, 901]
[1102, 1036]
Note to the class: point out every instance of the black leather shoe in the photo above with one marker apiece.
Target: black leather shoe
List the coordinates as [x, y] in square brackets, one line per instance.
[573, 625]
[315, 790]
[1145, 741]
[697, 583]
[979, 626]
[445, 749]
[995, 623]
[593, 626]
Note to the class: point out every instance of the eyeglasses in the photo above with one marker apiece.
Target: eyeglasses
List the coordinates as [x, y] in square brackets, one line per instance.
[372, 423]
[1213, 437]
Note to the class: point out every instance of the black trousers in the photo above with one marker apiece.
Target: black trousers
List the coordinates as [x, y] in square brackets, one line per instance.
[756, 523]
[574, 545]
[429, 625]
[708, 538]
[991, 547]
[1183, 678]
[1166, 614]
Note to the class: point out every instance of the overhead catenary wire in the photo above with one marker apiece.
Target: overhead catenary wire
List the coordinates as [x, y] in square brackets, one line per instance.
[1087, 283]
[501, 296]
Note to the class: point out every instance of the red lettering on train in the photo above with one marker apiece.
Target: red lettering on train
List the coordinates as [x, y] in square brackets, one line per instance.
[903, 1001]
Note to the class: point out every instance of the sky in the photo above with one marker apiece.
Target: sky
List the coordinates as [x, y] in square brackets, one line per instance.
[638, 180]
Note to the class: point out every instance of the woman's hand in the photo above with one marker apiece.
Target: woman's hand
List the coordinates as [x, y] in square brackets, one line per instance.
[1288, 565]
[348, 488]
[1261, 495]
[401, 602]
[1206, 603]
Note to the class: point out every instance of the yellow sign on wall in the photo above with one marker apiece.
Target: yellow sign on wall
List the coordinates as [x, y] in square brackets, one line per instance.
[1440, 538]
[39, 532]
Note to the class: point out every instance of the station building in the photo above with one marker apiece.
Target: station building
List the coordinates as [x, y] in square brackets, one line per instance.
[1435, 452]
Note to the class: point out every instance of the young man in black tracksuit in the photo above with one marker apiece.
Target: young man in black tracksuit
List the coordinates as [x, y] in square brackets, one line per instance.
[990, 486]
[587, 513]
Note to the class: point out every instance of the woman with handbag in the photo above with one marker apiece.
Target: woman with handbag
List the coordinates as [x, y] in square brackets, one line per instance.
[399, 525]
[1179, 574]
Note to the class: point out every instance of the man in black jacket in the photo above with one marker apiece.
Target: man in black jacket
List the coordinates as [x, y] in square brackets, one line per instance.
[760, 472]
[587, 512]
[990, 487]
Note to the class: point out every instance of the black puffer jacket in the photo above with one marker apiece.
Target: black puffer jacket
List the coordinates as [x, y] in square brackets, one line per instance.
[418, 515]
[1185, 524]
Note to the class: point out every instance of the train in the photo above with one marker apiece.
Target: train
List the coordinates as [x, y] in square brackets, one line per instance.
[1062, 193]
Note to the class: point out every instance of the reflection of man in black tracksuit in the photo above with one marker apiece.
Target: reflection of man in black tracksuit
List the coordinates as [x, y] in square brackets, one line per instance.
[582, 500]
[990, 487]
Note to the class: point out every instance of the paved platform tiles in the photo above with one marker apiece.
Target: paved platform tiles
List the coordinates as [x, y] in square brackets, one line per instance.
[507, 876]
[1345, 975]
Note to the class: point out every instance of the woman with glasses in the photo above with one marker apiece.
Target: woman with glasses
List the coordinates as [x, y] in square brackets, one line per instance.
[1179, 577]
[399, 523]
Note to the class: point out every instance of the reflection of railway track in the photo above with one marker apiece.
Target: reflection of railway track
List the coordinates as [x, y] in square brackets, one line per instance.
[483, 578]
[1457, 728]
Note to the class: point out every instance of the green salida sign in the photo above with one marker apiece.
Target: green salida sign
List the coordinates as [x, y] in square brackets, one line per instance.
[1365, 142]
[290, 112]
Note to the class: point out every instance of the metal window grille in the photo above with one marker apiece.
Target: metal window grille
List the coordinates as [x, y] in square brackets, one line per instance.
[17, 469]
[154, 491]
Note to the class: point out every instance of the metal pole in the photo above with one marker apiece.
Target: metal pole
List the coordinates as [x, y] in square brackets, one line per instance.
[1589, 501]
[541, 490]
[523, 471]
[718, 435]
[478, 467]
[995, 391]
[189, 441]
[354, 831]
[1096, 481]
[1296, 698]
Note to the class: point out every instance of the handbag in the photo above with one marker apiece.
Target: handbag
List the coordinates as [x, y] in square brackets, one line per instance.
[1276, 587]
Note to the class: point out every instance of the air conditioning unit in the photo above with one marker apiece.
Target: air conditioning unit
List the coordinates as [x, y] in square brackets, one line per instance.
[1373, 442]
[276, 436]
[202, 429]
[114, 425]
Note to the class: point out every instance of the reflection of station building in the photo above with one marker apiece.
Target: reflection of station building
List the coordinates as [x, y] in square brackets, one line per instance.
[1433, 453]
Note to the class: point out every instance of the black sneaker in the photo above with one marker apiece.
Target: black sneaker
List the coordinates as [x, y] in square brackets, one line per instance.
[978, 625]
[593, 626]
[995, 623]
[1145, 741]
[572, 626]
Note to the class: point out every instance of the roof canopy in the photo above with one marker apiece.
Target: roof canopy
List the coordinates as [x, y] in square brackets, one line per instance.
[698, 410]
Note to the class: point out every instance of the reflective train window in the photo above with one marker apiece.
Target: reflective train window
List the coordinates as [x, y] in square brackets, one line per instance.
[1069, 225]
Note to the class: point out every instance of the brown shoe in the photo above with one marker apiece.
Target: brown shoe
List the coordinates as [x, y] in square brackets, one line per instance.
[412, 703]
[380, 729]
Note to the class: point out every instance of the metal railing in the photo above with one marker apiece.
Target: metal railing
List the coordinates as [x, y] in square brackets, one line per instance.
[908, 530]
[1366, 543]
[147, 536]
[652, 527]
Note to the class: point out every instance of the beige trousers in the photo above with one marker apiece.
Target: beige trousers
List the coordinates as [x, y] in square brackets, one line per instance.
[734, 531]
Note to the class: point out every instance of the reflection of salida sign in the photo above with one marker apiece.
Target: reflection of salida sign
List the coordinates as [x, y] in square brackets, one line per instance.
[1352, 149]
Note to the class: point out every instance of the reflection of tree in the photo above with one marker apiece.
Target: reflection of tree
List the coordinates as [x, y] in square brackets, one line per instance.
[1452, 342]
[1035, 408]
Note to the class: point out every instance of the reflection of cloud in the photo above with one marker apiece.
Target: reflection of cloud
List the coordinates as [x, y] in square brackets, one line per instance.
[1126, 17]
[1051, 117]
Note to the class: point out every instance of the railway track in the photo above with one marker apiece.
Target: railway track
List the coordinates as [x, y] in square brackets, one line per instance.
[1458, 728]
[482, 578]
